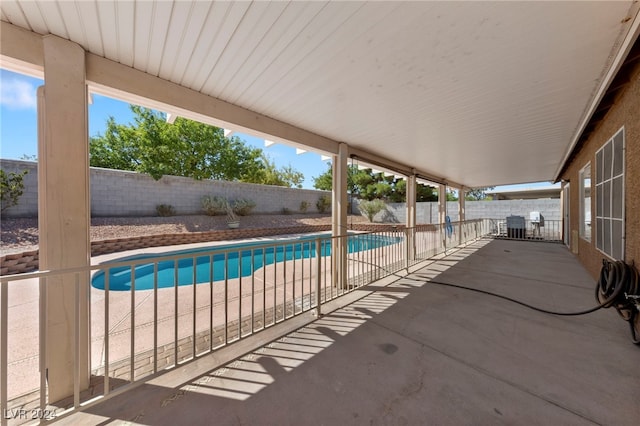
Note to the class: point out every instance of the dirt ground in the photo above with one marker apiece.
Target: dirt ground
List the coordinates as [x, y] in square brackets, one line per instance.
[21, 234]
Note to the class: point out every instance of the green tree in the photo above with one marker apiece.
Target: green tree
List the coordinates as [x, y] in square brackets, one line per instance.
[271, 175]
[367, 185]
[291, 177]
[477, 194]
[11, 188]
[357, 180]
[185, 148]
[324, 181]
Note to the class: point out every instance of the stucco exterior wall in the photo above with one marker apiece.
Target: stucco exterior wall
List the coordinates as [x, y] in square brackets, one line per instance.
[625, 113]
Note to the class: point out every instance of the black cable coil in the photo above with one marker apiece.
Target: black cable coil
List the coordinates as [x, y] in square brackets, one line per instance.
[619, 286]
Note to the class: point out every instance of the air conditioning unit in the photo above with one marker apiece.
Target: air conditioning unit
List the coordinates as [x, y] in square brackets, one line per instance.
[516, 227]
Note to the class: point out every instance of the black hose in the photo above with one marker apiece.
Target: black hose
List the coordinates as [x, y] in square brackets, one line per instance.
[535, 308]
[618, 286]
[611, 283]
[616, 280]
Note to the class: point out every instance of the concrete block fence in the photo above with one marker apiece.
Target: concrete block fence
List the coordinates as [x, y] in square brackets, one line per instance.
[427, 212]
[122, 193]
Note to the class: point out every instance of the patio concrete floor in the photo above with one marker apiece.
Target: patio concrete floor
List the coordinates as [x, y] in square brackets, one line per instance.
[410, 352]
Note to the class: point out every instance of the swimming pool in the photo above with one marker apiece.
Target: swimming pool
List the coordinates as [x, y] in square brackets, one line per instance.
[241, 262]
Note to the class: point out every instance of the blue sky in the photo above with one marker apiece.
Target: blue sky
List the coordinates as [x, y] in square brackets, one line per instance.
[18, 124]
[19, 138]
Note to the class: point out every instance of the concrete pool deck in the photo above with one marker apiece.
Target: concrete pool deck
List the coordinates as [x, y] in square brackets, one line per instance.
[414, 353]
[24, 304]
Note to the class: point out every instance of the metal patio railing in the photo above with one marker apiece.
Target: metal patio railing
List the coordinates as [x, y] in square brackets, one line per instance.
[151, 314]
[546, 230]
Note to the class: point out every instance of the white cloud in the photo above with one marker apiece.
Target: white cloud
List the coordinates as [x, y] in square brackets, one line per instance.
[17, 94]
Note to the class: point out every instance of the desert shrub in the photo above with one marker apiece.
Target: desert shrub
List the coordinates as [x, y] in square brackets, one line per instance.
[214, 205]
[323, 204]
[231, 214]
[303, 206]
[165, 210]
[11, 188]
[286, 210]
[243, 206]
[371, 208]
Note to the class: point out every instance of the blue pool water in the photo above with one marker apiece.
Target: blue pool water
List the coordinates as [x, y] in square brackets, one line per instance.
[237, 262]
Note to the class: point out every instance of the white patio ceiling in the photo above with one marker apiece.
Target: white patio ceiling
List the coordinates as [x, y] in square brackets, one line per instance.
[478, 93]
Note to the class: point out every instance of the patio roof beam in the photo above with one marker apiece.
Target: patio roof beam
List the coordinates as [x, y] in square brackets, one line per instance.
[373, 159]
[113, 79]
[21, 50]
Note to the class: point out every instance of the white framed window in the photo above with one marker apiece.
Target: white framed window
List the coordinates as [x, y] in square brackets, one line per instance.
[609, 227]
[585, 201]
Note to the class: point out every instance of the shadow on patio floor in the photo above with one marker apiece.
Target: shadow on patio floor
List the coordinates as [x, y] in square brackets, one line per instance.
[416, 353]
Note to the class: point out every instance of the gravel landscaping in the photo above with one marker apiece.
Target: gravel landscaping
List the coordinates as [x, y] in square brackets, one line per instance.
[21, 234]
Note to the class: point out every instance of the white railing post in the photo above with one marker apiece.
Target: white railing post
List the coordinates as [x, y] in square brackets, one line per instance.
[107, 273]
[4, 361]
[442, 214]
[318, 277]
[461, 216]
[411, 218]
[407, 250]
[77, 351]
[42, 316]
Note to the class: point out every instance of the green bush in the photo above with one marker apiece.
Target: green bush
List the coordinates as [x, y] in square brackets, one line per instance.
[165, 210]
[286, 210]
[303, 206]
[323, 204]
[11, 188]
[371, 208]
[243, 206]
[214, 205]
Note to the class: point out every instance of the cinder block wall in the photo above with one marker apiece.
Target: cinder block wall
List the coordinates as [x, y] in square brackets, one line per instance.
[121, 193]
[427, 212]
